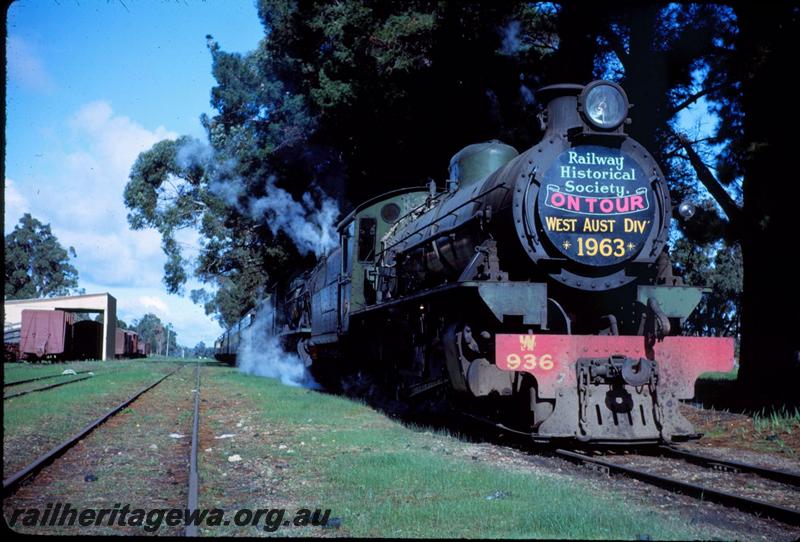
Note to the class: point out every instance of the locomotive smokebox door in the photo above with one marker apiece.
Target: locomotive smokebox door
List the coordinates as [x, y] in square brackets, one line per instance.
[593, 203]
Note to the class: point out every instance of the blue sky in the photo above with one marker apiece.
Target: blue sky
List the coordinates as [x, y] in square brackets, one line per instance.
[91, 84]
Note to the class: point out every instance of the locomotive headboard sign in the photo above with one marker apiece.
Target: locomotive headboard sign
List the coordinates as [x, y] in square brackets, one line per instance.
[595, 205]
[591, 206]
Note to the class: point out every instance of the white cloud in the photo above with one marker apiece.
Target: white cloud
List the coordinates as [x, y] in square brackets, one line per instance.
[85, 201]
[155, 303]
[16, 205]
[25, 68]
[188, 320]
[116, 139]
[116, 258]
[78, 189]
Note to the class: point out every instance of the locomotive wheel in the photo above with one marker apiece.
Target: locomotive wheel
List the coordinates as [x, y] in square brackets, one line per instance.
[468, 346]
[462, 347]
[302, 352]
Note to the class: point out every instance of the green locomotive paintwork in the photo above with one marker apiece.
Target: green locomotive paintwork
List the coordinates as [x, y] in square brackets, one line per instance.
[476, 162]
[675, 301]
[362, 232]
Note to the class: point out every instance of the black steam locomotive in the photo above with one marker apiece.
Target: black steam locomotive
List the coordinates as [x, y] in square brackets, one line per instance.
[535, 291]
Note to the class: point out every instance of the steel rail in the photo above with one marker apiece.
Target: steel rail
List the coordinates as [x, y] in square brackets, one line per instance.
[13, 481]
[43, 388]
[774, 511]
[194, 480]
[17, 382]
[778, 475]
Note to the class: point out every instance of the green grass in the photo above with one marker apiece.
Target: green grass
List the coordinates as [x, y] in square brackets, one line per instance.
[14, 372]
[731, 375]
[417, 494]
[383, 478]
[781, 420]
[34, 422]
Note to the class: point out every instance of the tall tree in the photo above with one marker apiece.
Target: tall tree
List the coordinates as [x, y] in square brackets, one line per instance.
[36, 263]
[320, 109]
[760, 150]
[200, 350]
[152, 330]
[751, 49]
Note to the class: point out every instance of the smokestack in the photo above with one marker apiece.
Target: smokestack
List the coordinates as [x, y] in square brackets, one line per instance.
[561, 112]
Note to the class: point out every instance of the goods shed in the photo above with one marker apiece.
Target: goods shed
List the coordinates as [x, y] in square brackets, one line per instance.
[105, 304]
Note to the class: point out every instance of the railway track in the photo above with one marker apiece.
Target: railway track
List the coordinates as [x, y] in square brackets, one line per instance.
[27, 380]
[45, 388]
[28, 473]
[785, 514]
[616, 464]
[11, 483]
[194, 479]
[778, 475]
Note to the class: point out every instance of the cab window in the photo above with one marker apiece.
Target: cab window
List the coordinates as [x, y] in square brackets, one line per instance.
[366, 239]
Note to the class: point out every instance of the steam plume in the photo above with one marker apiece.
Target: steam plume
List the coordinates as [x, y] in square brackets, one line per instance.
[311, 225]
[512, 43]
[260, 354]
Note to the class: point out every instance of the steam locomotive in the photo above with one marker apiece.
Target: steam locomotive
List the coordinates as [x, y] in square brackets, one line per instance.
[535, 291]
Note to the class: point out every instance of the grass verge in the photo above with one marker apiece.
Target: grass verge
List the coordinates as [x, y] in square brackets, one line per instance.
[138, 458]
[35, 422]
[301, 449]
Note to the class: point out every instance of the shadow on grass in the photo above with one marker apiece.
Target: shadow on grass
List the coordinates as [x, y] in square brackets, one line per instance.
[734, 396]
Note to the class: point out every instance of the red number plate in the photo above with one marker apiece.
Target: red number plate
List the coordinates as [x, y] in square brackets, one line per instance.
[521, 353]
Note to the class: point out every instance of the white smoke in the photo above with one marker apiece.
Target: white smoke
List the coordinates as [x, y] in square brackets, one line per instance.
[260, 354]
[194, 152]
[512, 43]
[310, 225]
[312, 228]
[526, 94]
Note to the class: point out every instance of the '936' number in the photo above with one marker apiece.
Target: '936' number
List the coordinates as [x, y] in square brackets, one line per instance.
[529, 362]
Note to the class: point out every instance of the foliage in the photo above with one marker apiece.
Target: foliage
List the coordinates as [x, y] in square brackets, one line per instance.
[758, 148]
[36, 263]
[336, 92]
[718, 268]
[151, 329]
[202, 351]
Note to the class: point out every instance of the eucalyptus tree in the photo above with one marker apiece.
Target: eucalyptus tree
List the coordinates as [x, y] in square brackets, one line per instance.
[36, 264]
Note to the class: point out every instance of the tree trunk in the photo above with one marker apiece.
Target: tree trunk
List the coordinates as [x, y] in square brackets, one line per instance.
[578, 27]
[770, 339]
[645, 80]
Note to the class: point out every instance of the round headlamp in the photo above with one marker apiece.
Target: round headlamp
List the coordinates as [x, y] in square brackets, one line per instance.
[604, 104]
[687, 209]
